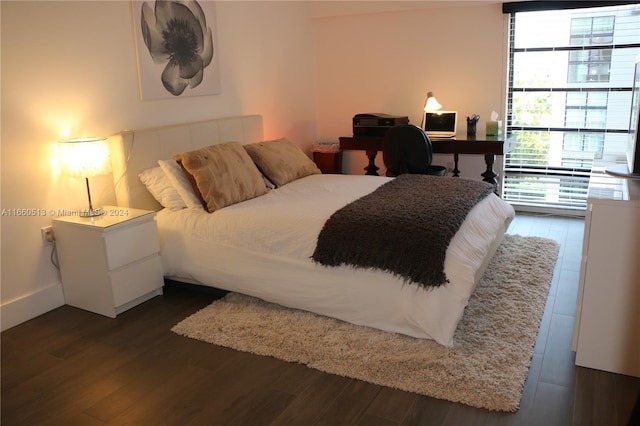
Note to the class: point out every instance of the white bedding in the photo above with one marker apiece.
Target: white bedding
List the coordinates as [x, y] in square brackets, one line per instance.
[262, 247]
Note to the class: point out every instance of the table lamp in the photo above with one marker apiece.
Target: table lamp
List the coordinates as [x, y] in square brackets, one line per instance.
[432, 104]
[85, 157]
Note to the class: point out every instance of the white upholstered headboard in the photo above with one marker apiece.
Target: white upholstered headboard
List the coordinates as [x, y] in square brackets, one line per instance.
[133, 151]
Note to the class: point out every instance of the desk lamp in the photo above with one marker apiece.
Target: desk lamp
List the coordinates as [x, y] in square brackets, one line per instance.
[432, 104]
[429, 106]
[85, 157]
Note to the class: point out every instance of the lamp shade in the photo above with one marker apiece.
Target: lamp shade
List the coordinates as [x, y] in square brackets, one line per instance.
[84, 157]
[432, 104]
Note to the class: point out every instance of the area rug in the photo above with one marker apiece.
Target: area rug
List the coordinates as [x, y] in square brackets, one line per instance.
[486, 368]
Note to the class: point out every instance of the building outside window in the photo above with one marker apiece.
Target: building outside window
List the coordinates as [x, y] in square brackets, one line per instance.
[569, 98]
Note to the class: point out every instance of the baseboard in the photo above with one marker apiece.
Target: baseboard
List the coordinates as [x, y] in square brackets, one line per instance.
[30, 306]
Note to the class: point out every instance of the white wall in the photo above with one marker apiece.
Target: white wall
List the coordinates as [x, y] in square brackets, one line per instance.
[387, 62]
[70, 66]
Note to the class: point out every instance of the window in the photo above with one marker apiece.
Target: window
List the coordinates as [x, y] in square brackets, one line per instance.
[592, 64]
[569, 94]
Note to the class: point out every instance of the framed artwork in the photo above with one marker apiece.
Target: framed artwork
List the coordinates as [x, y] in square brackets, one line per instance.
[176, 48]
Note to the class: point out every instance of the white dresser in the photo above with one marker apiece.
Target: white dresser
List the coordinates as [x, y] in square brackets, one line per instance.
[109, 263]
[607, 322]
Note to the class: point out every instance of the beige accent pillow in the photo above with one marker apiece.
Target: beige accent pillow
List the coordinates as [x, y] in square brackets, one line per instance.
[224, 174]
[281, 161]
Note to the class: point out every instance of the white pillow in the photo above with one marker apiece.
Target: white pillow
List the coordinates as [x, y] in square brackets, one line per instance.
[158, 184]
[181, 183]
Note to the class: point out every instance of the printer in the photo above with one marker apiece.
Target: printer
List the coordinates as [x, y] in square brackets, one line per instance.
[375, 124]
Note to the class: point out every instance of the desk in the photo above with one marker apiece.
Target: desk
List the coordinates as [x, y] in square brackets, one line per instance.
[369, 144]
[460, 144]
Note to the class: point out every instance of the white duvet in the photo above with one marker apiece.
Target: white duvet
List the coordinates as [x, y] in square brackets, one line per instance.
[262, 247]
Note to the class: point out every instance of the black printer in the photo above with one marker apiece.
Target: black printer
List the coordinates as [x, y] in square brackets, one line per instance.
[375, 123]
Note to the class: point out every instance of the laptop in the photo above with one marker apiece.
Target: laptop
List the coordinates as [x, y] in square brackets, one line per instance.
[441, 124]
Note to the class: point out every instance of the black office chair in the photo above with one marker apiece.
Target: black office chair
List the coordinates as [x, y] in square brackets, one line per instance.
[407, 149]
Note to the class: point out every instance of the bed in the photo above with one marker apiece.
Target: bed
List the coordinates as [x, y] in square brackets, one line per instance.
[263, 246]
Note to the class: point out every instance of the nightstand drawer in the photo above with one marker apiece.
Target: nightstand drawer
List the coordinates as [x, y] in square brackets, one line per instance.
[130, 244]
[136, 279]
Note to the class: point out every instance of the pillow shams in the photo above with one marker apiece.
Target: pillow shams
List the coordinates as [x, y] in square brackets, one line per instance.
[159, 185]
[224, 174]
[281, 161]
[181, 183]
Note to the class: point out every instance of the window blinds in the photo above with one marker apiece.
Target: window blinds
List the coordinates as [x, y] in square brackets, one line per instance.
[569, 97]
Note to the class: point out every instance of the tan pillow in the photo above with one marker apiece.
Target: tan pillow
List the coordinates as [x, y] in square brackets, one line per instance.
[281, 161]
[223, 174]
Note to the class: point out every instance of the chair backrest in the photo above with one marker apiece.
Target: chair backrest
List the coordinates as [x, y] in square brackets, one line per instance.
[406, 149]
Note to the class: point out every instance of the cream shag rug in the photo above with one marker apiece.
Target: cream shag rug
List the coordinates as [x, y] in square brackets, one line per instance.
[486, 368]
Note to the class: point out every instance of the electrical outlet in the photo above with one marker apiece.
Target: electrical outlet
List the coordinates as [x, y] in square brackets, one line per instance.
[47, 235]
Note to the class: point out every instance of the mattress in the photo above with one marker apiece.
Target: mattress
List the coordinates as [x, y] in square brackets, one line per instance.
[262, 247]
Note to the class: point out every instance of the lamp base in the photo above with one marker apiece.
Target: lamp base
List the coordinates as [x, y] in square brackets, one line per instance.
[91, 212]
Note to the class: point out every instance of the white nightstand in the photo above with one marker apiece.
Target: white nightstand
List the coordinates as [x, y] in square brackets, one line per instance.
[109, 263]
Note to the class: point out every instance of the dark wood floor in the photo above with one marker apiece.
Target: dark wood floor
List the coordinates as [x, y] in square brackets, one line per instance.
[70, 367]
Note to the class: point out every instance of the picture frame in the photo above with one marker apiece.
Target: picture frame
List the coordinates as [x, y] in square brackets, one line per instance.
[176, 48]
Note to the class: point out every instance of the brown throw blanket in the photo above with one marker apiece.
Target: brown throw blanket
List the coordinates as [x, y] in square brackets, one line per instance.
[404, 227]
